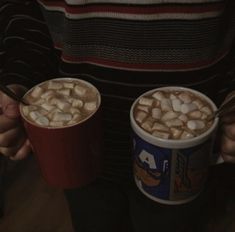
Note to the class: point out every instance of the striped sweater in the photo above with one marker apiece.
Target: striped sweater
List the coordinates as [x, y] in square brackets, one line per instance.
[128, 47]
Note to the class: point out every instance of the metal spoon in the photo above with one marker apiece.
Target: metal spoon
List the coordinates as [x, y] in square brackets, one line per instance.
[12, 95]
[227, 106]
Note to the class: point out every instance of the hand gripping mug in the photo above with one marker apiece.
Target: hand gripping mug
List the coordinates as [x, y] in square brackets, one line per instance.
[173, 133]
[63, 123]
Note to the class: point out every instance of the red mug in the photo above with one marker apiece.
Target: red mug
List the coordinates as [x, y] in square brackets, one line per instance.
[69, 156]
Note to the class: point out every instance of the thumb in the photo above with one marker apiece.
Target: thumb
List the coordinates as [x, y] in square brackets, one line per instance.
[228, 118]
[10, 108]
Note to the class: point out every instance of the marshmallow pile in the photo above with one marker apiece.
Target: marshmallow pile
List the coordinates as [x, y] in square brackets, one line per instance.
[173, 114]
[58, 103]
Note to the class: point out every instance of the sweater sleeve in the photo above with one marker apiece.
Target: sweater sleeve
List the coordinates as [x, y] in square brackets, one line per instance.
[27, 55]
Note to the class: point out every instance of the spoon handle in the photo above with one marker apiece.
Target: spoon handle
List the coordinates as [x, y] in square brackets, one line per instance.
[11, 94]
[228, 105]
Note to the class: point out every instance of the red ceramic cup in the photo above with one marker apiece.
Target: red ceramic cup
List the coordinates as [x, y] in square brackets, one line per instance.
[68, 156]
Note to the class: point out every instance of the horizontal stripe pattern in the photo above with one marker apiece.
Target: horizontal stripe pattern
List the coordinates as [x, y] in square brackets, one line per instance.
[161, 44]
[82, 2]
[133, 11]
[126, 47]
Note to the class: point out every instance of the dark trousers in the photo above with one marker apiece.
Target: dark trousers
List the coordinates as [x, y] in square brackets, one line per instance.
[104, 206]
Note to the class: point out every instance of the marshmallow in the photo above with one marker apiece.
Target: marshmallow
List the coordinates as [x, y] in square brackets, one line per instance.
[146, 101]
[39, 102]
[77, 103]
[28, 108]
[197, 114]
[186, 135]
[158, 95]
[160, 127]
[58, 116]
[147, 125]
[51, 114]
[43, 111]
[74, 111]
[156, 113]
[169, 115]
[183, 118]
[34, 115]
[63, 105]
[198, 103]
[196, 124]
[140, 116]
[65, 92]
[206, 110]
[43, 121]
[68, 85]
[143, 108]
[56, 124]
[166, 105]
[54, 85]
[90, 106]
[37, 91]
[53, 100]
[176, 133]
[173, 96]
[204, 116]
[176, 104]
[160, 134]
[80, 90]
[188, 107]
[47, 94]
[47, 106]
[174, 122]
[185, 97]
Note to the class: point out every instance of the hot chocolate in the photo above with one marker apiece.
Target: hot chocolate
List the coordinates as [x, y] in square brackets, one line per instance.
[61, 102]
[173, 114]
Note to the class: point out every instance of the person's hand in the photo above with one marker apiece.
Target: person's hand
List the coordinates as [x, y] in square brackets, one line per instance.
[13, 141]
[228, 138]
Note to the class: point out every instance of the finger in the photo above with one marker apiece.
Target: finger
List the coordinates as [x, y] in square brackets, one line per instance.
[9, 106]
[13, 149]
[9, 151]
[228, 158]
[10, 137]
[11, 110]
[228, 118]
[227, 146]
[229, 131]
[7, 123]
[23, 152]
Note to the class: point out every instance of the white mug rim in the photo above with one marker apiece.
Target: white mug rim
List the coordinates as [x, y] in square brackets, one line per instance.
[173, 143]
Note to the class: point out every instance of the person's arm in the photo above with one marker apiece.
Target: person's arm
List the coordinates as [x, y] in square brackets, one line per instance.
[227, 129]
[26, 57]
[26, 50]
